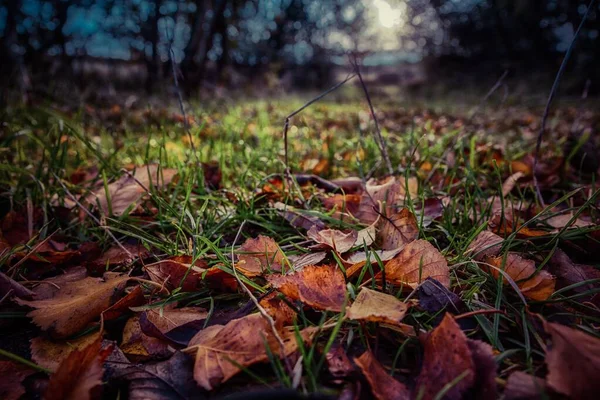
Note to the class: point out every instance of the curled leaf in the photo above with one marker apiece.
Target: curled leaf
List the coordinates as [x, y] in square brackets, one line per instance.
[374, 306]
[536, 285]
[383, 386]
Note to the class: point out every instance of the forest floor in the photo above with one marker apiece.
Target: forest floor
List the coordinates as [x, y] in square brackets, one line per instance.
[175, 259]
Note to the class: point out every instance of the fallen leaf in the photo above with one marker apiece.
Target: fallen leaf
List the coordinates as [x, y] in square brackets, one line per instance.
[79, 374]
[338, 363]
[169, 379]
[398, 229]
[278, 309]
[522, 386]
[430, 210]
[48, 288]
[117, 257]
[257, 256]
[435, 297]
[566, 220]
[573, 360]
[177, 272]
[8, 286]
[485, 370]
[383, 386]
[536, 285]
[75, 305]
[129, 189]
[343, 205]
[50, 353]
[135, 298]
[333, 239]
[321, 287]
[447, 356]
[486, 244]
[298, 218]
[569, 273]
[415, 263]
[301, 261]
[13, 374]
[374, 306]
[510, 183]
[222, 350]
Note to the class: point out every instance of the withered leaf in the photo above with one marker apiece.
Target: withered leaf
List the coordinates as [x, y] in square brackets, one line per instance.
[13, 375]
[302, 260]
[298, 218]
[321, 287]
[485, 370]
[257, 256]
[281, 313]
[50, 353]
[333, 239]
[534, 285]
[48, 288]
[338, 363]
[128, 190]
[433, 297]
[573, 360]
[374, 306]
[522, 386]
[486, 244]
[78, 374]
[135, 298]
[398, 229]
[383, 386]
[177, 271]
[116, 257]
[75, 305]
[222, 350]
[8, 285]
[415, 263]
[447, 356]
[569, 273]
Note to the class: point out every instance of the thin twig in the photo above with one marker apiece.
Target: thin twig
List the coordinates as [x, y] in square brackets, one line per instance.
[286, 124]
[260, 308]
[479, 312]
[382, 146]
[490, 92]
[93, 217]
[561, 70]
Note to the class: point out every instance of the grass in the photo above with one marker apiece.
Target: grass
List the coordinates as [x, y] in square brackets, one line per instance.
[244, 140]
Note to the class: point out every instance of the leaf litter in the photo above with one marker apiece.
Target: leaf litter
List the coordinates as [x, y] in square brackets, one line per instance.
[445, 281]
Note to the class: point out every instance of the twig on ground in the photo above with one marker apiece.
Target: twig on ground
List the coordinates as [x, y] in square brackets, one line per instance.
[561, 70]
[260, 308]
[93, 217]
[380, 140]
[490, 92]
[286, 124]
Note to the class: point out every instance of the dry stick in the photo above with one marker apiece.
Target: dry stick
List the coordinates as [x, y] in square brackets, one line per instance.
[380, 139]
[92, 216]
[490, 92]
[286, 124]
[561, 70]
[479, 312]
[260, 308]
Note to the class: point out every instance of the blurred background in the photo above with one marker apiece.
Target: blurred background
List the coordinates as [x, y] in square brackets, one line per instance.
[85, 49]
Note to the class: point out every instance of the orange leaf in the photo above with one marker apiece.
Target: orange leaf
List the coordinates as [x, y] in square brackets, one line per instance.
[260, 255]
[321, 287]
[535, 285]
[222, 350]
[75, 305]
[374, 306]
[78, 374]
[13, 374]
[49, 354]
[177, 271]
[383, 386]
[415, 263]
[486, 244]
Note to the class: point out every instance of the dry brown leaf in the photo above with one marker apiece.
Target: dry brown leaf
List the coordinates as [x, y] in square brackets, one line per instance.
[116, 257]
[79, 374]
[135, 298]
[49, 353]
[333, 239]
[415, 263]
[140, 345]
[10, 287]
[563, 220]
[344, 205]
[338, 363]
[48, 288]
[510, 182]
[13, 374]
[447, 356]
[573, 360]
[321, 287]
[257, 256]
[75, 305]
[486, 244]
[398, 229]
[569, 273]
[534, 285]
[222, 349]
[177, 271]
[374, 306]
[383, 386]
[127, 191]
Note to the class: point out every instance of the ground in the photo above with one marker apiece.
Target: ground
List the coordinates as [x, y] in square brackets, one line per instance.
[135, 242]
